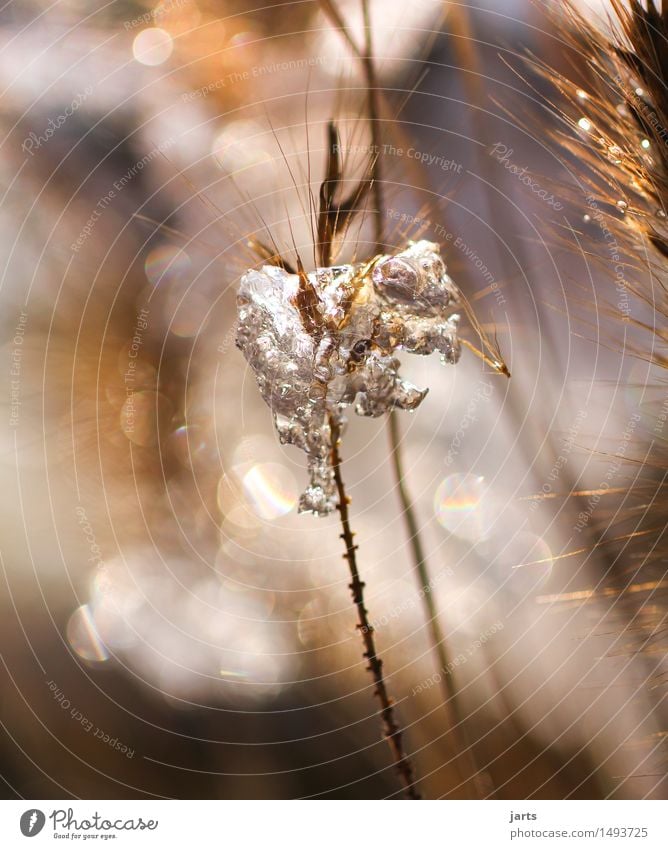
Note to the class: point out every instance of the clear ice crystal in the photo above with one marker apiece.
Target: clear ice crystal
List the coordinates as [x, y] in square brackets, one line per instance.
[325, 341]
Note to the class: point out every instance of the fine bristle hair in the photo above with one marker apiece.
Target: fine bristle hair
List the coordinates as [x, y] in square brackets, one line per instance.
[612, 121]
[609, 106]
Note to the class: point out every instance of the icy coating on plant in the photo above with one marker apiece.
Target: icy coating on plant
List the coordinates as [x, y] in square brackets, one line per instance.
[321, 341]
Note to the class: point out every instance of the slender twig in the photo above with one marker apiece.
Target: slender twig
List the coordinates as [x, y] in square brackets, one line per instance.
[374, 120]
[391, 727]
[466, 761]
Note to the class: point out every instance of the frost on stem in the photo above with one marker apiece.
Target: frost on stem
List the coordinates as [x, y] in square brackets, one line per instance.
[321, 341]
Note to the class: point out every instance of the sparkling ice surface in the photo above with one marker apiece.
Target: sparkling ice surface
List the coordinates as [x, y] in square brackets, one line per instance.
[322, 341]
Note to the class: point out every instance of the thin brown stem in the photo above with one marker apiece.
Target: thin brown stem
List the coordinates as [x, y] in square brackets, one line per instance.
[466, 763]
[391, 727]
[374, 120]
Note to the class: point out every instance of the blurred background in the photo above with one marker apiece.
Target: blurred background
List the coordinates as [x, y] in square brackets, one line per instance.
[170, 626]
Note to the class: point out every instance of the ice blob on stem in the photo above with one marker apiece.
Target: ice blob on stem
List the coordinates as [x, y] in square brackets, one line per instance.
[325, 340]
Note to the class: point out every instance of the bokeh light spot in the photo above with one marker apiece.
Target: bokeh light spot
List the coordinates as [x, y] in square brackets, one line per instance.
[152, 46]
[166, 264]
[463, 507]
[82, 635]
[271, 490]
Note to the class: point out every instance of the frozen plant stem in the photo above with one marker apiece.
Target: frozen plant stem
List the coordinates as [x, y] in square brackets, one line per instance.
[466, 764]
[391, 728]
